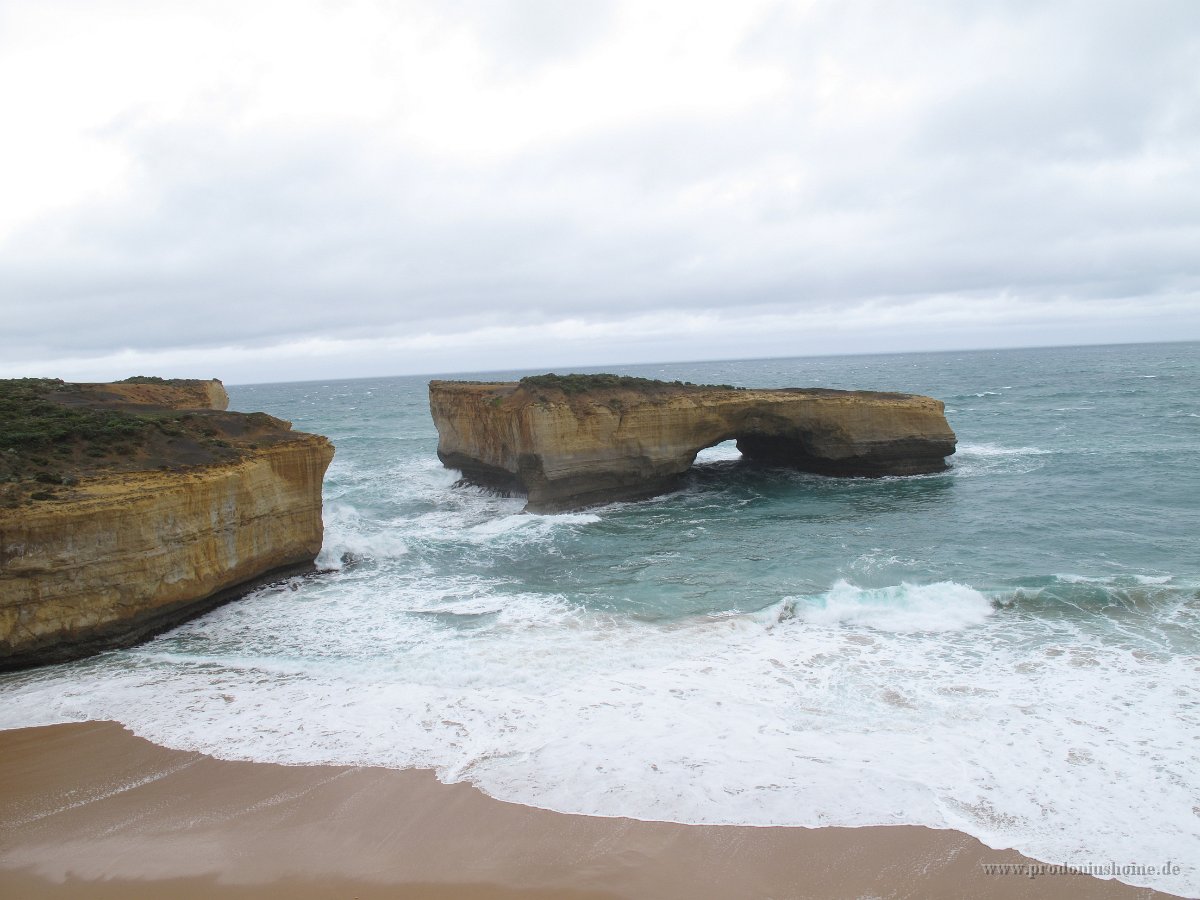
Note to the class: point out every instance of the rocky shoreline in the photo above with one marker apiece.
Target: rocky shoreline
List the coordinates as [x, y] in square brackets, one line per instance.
[140, 506]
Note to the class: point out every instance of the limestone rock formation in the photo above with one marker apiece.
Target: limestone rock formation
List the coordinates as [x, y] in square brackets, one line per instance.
[156, 514]
[173, 394]
[573, 441]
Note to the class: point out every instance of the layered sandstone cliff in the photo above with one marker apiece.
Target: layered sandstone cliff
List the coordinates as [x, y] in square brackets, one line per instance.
[576, 441]
[193, 509]
[173, 394]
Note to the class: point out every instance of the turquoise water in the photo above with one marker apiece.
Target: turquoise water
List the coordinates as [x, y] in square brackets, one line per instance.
[1009, 648]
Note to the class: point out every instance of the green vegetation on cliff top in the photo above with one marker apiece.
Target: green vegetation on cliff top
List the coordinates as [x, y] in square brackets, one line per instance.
[52, 432]
[154, 379]
[32, 418]
[578, 384]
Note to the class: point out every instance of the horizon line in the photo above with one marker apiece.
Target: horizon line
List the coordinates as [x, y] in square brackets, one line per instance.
[723, 359]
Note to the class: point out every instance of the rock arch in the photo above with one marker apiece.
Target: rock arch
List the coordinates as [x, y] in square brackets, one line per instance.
[575, 441]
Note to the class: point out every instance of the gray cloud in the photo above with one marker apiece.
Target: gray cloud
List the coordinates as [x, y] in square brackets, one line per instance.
[1046, 152]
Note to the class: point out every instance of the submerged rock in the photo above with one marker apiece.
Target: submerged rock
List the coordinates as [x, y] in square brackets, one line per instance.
[568, 442]
[128, 508]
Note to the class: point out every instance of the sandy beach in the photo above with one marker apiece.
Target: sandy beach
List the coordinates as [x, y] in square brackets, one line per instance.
[89, 810]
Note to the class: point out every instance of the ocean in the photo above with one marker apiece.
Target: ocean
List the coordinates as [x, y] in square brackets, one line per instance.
[1010, 648]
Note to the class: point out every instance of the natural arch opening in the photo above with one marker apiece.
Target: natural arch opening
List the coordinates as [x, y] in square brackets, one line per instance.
[721, 452]
[788, 451]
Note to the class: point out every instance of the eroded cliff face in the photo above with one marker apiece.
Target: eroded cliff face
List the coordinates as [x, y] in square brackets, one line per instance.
[110, 557]
[179, 394]
[568, 450]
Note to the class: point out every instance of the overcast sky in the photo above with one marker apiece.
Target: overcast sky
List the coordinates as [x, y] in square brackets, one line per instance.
[273, 191]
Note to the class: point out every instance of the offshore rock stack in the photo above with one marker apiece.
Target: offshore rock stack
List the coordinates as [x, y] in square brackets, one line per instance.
[568, 442]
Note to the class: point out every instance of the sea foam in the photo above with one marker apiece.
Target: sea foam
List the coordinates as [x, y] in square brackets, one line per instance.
[862, 706]
[943, 606]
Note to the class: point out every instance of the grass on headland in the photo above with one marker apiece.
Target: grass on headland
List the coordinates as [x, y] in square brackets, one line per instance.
[580, 383]
[30, 419]
[51, 435]
[154, 379]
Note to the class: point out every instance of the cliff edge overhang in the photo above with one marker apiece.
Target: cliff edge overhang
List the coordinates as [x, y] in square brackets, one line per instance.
[568, 442]
[127, 508]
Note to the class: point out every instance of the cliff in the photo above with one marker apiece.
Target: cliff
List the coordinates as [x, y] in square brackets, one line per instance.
[171, 394]
[124, 511]
[572, 441]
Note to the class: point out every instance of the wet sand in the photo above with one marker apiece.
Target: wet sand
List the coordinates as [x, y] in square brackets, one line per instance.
[90, 811]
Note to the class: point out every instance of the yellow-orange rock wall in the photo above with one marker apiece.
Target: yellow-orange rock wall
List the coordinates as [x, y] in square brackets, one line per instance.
[615, 442]
[570, 436]
[131, 547]
[208, 394]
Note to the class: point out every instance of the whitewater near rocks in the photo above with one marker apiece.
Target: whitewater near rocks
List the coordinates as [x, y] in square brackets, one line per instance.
[1008, 648]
